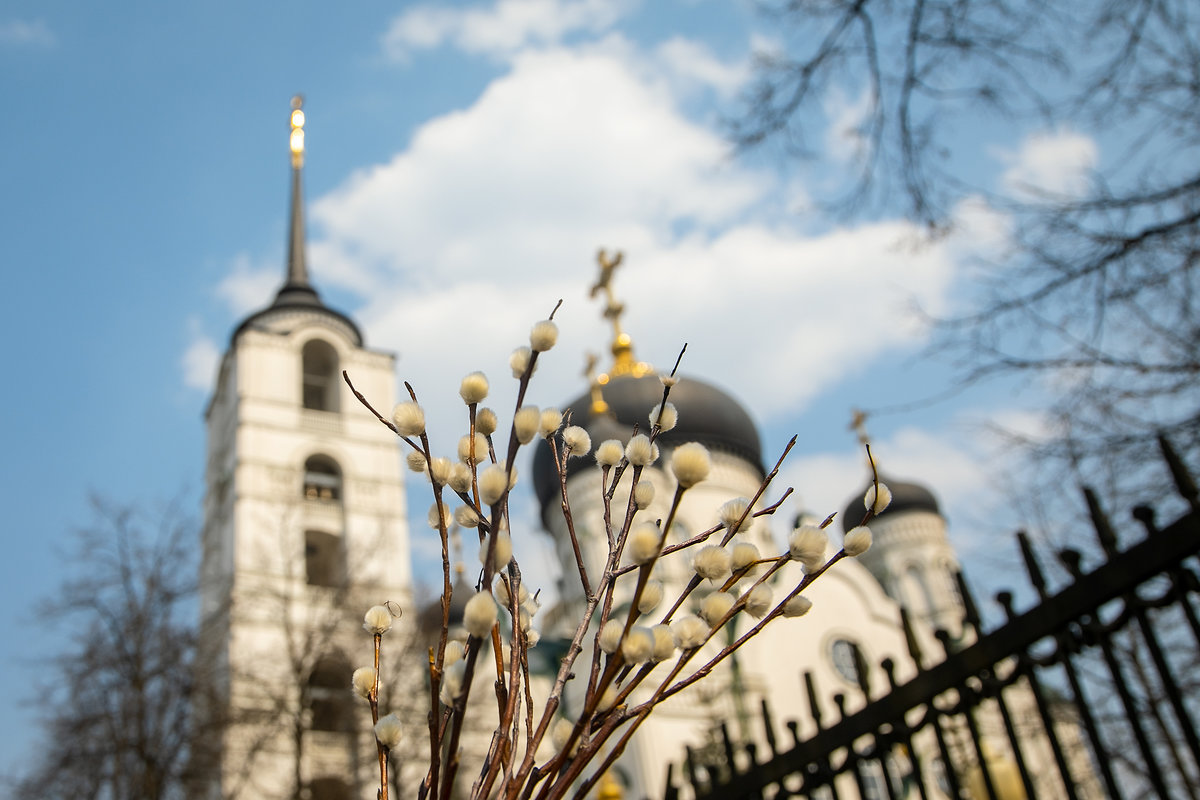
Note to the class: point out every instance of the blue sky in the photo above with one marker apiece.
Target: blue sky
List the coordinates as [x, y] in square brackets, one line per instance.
[465, 161]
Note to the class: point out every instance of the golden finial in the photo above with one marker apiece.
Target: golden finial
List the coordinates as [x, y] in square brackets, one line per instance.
[622, 345]
[297, 139]
[589, 372]
[610, 788]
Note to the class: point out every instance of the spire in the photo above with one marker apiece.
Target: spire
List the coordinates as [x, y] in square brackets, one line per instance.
[296, 289]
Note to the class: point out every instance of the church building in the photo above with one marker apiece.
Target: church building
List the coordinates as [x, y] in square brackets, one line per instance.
[305, 527]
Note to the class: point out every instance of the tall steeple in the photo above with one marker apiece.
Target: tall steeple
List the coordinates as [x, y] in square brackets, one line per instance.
[297, 298]
[296, 289]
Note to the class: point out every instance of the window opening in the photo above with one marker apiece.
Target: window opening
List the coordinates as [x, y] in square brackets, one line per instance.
[320, 369]
[322, 479]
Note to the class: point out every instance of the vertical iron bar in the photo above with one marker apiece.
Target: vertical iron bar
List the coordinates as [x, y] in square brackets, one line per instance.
[948, 768]
[1092, 624]
[905, 732]
[852, 757]
[1039, 699]
[969, 698]
[1166, 676]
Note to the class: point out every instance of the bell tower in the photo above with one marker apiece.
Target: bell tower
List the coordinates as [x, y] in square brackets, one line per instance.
[304, 529]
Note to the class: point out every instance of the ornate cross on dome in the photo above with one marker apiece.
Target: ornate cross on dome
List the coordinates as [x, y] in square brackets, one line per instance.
[612, 309]
[858, 424]
[622, 345]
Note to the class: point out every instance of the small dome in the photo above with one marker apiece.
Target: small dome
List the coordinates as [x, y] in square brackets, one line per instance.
[905, 497]
[706, 414]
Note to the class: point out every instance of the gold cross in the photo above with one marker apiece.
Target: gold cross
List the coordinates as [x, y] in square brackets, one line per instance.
[858, 424]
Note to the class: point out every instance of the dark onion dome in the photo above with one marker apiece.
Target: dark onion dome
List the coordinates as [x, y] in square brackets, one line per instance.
[706, 414]
[905, 497]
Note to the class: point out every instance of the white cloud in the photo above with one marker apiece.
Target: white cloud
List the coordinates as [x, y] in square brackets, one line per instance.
[1050, 165]
[500, 29]
[199, 363]
[691, 62]
[493, 212]
[26, 33]
[249, 286]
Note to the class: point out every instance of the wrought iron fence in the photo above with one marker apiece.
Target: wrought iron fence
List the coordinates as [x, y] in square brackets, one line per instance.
[1091, 693]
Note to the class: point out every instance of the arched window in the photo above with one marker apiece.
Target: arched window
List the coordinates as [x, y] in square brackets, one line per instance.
[328, 789]
[322, 479]
[329, 701]
[319, 390]
[324, 561]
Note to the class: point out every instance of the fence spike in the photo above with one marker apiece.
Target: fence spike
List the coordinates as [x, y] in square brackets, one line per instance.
[814, 707]
[1104, 528]
[910, 638]
[769, 726]
[1179, 473]
[1032, 567]
[970, 610]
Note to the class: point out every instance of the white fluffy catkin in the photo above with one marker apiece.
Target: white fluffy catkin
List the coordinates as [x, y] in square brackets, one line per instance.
[377, 620]
[643, 542]
[857, 541]
[576, 440]
[691, 464]
[638, 645]
[744, 554]
[732, 511]
[716, 606]
[665, 417]
[549, 421]
[798, 606]
[652, 595]
[409, 419]
[609, 453]
[503, 552]
[807, 545]
[485, 421]
[643, 494]
[610, 635]
[877, 504]
[543, 335]
[492, 483]
[519, 361]
[460, 477]
[363, 681]
[713, 562]
[481, 448]
[758, 601]
[480, 615]
[664, 643]
[689, 632]
[389, 731]
[640, 451]
[525, 423]
[474, 387]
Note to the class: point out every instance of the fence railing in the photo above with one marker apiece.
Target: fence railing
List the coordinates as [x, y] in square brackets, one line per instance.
[1091, 693]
